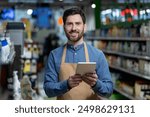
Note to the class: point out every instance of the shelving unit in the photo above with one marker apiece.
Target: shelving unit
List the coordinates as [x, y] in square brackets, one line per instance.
[130, 72]
[13, 32]
[122, 34]
[123, 65]
[126, 55]
[124, 94]
[30, 61]
[131, 97]
[126, 18]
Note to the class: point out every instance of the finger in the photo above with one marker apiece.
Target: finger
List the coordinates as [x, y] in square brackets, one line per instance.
[90, 83]
[93, 75]
[85, 79]
[73, 78]
[76, 80]
[74, 84]
[89, 80]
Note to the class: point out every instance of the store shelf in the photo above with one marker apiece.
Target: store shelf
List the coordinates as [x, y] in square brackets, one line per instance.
[125, 24]
[122, 44]
[10, 59]
[139, 39]
[126, 95]
[130, 72]
[126, 55]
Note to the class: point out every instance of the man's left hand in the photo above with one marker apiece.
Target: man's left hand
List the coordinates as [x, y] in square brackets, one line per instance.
[90, 78]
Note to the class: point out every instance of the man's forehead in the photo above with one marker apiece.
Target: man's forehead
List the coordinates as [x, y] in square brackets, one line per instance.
[76, 17]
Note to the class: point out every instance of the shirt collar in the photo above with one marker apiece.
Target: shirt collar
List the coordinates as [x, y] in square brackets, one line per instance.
[69, 46]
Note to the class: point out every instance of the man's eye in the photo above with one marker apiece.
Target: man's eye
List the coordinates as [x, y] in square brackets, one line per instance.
[78, 23]
[69, 23]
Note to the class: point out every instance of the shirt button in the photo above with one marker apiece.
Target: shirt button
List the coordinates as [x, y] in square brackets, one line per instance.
[75, 53]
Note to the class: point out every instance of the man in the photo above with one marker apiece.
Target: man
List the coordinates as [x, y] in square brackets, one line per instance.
[60, 78]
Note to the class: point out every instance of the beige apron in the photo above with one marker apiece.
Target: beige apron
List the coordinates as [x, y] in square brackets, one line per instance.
[83, 91]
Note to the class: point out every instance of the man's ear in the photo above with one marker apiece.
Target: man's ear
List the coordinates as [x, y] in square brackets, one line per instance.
[85, 28]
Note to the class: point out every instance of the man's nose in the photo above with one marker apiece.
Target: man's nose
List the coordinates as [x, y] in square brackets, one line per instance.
[74, 27]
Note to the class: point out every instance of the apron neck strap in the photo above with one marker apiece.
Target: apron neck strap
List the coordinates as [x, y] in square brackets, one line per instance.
[85, 50]
[86, 53]
[64, 54]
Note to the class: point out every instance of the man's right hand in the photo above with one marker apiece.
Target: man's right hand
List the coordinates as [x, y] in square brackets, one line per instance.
[74, 81]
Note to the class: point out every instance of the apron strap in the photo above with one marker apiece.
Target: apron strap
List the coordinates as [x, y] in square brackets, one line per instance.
[64, 54]
[86, 53]
[85, 50]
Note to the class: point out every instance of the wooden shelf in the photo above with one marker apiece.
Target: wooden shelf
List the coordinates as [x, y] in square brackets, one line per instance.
[126, 95]
[130, 72]
[135, 39]
[127, 55]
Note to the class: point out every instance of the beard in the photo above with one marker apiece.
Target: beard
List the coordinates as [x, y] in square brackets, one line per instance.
[76, 38]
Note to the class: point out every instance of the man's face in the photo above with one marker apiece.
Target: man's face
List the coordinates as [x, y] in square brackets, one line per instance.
[74, 28]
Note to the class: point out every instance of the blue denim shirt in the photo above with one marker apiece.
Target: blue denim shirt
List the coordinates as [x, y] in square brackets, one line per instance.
[53, 87]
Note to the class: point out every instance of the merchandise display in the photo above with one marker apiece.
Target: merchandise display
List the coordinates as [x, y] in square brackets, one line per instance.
[16, 86]
[28, 34]
[42, 21]
[130, 56]
[26, 90]
[7, 50]
[30, 65]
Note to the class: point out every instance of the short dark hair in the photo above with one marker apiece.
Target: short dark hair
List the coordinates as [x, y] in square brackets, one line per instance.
[74, 11]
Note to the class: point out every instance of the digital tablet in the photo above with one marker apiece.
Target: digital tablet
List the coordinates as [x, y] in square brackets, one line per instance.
[85, 67]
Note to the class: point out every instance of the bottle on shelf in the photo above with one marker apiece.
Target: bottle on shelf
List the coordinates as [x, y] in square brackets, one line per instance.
[26, 90]
[5, 50]
[16, 86]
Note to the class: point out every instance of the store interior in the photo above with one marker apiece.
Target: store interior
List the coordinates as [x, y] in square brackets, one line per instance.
[30, 29]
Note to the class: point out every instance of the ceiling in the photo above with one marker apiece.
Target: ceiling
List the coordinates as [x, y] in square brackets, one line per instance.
[33, 3]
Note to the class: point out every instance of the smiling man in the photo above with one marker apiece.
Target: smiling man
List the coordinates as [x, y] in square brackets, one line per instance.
[60, 79]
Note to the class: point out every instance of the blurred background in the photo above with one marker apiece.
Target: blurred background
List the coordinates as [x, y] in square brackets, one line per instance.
[30, 29]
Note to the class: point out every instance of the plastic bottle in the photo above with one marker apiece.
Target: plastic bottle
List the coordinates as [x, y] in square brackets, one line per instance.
[26, 90]
[16, 86]
[5, 50]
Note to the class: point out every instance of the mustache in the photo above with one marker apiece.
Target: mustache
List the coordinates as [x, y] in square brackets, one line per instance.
[73, 31]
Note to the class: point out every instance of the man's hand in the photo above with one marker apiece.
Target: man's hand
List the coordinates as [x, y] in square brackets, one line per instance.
[90, 78]
[74, 80]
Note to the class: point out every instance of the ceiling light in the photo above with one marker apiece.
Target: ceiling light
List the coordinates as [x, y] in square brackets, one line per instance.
[29, 11]
[93, 6]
